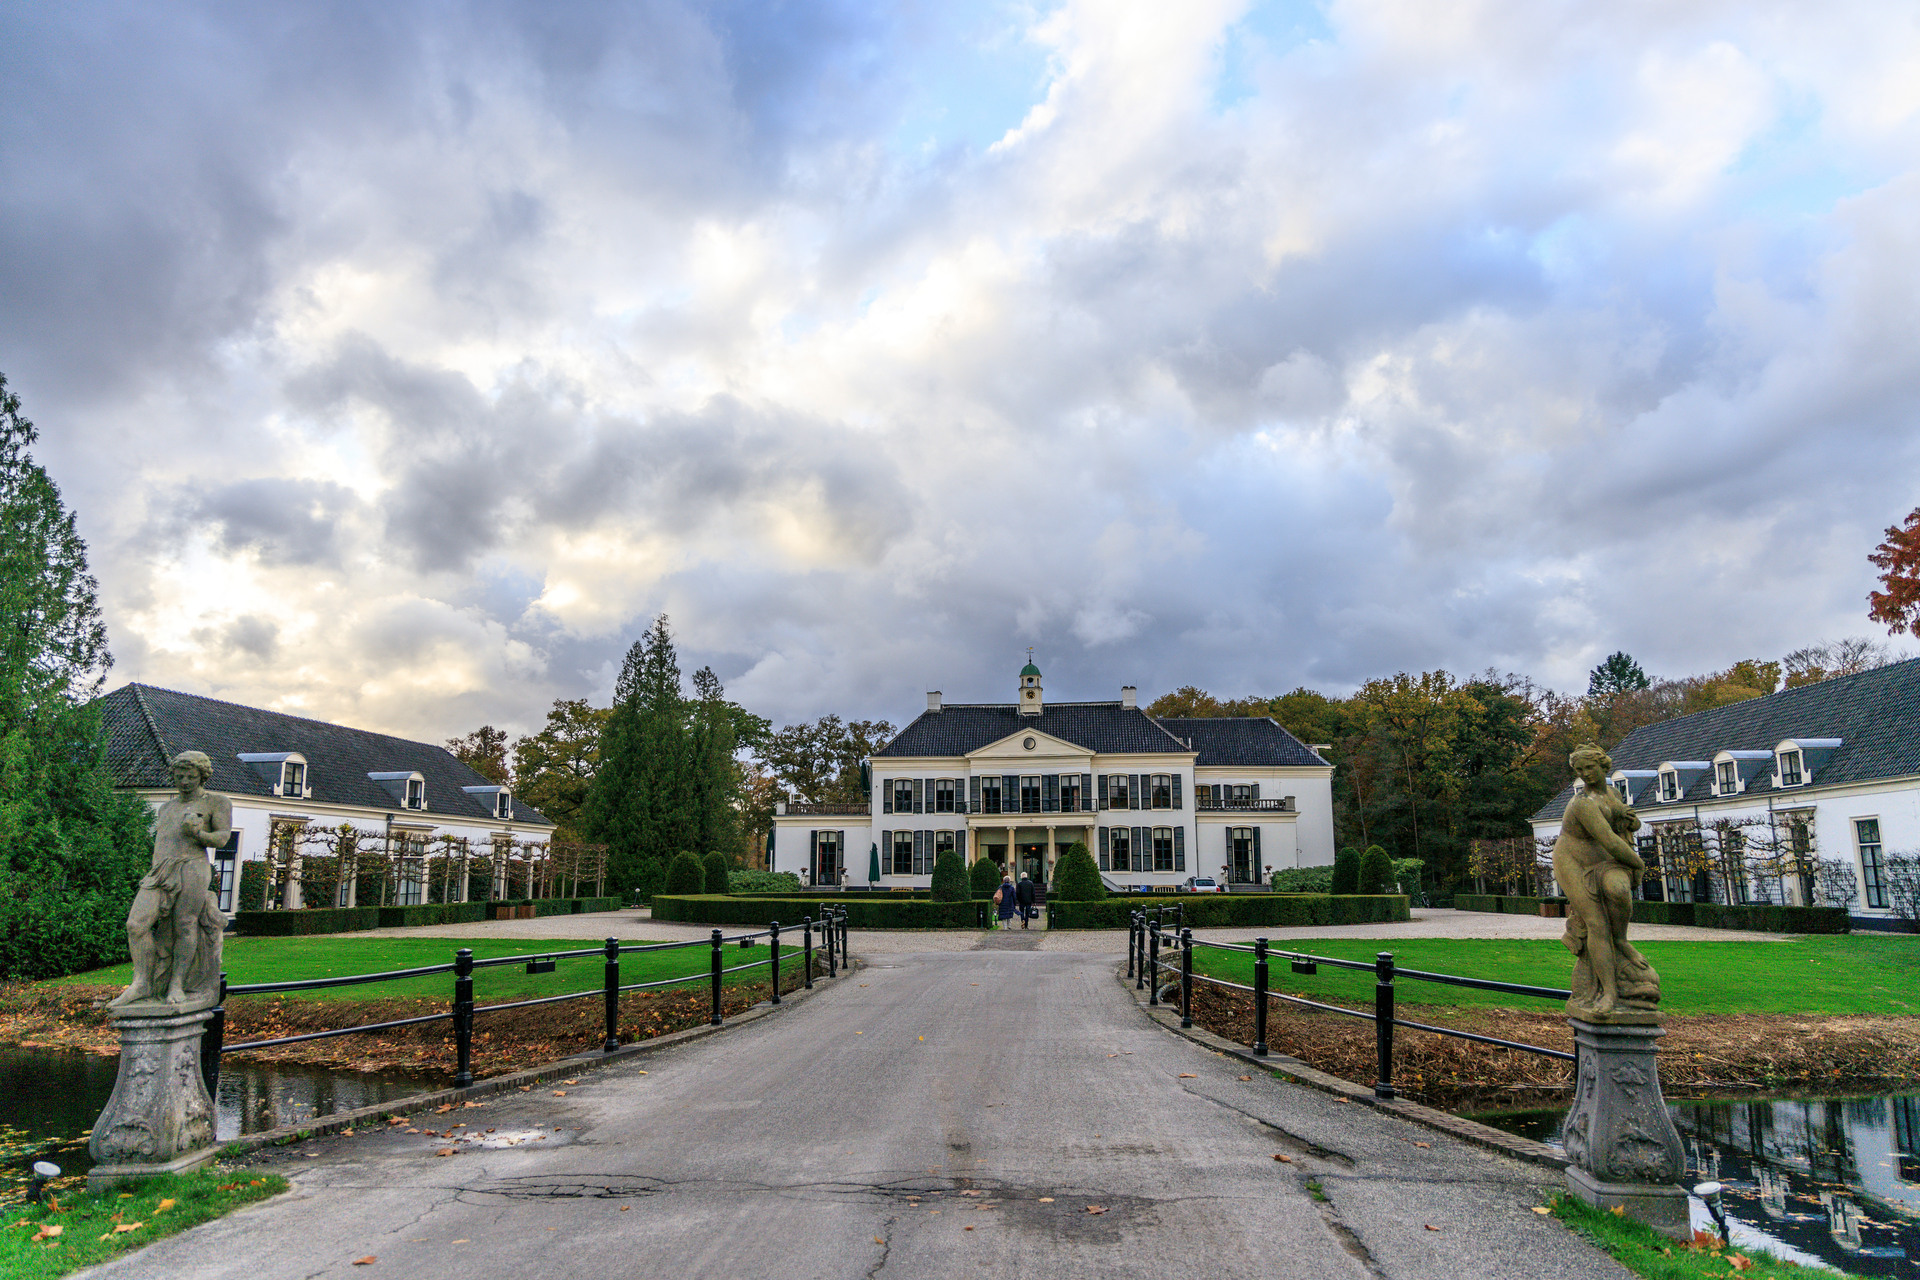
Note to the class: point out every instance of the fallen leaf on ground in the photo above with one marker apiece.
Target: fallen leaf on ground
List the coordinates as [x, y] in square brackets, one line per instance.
[1429, 1226]
[473, 1104]
[625, 1207]
[1282, 1159]
[443, 1108]
[396, 1120]
[346, 1133]
[1423, 1144]
[1739, 1261]
[559, 1093]
[569, 1082]
[444, 1151]
[128, 1226]
[164, 1205]
[1246, 1077]
[367, 1261]
[1096, 1208]
[1188, 1075]
[966, 1228]
[258, 1182]
[1540, 1208]
[47, 1233]
[1046, 1199]
[525, 1087]
[462, 1242]
[1619, 1211]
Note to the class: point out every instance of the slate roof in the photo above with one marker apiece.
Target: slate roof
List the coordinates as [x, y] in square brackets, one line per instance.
[1875, 713]
[1241, 740]
[146, 727]
[1104, 727]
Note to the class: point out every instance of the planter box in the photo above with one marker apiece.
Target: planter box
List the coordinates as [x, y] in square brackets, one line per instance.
[1554, 910]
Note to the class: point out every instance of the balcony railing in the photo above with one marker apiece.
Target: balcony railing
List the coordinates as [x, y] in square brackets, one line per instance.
[1283, 805]
[798, 809]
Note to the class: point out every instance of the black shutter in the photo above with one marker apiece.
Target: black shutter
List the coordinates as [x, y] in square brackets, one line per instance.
[918, 786]
[1179, 848]
[886, 795]
[1258, 873]
[1049, 793]
[813, 855]
[1100, 800]
[1255, 793]
[1010, 795]
[1176, 791]
[973, 793]
[886, 853]
[1133, 791]
[1229, 858]
[1086, 793]
[960, 843]
[1103, 849]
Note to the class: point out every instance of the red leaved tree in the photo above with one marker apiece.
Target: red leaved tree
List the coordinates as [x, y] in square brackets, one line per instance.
[1898, 559]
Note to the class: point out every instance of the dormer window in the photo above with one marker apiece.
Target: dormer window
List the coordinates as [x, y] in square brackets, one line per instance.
[283, 773]
[503, 805]
[416, 793]
[1621, 786]
[1729, 780]
[293, 778]
[1790, 775]
[1669, 785]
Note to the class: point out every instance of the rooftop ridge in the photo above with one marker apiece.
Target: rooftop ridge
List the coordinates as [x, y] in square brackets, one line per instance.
[153, 728]
[1828, 685]
[141, 690]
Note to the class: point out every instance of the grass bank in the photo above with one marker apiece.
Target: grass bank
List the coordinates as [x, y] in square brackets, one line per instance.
[1831, 1014]
[1645, 1252]
[79, 1229]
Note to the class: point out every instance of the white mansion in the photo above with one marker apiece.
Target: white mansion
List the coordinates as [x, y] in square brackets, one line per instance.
[1157, 800]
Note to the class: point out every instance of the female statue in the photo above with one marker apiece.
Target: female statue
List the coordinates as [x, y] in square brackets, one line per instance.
[1597, 869]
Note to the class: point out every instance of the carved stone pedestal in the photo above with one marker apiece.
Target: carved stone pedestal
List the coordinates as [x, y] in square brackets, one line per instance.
[1623, 1148]
[159, 1119]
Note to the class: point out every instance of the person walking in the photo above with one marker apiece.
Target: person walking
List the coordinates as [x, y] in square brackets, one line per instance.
[1008, 896]
[1023, 895]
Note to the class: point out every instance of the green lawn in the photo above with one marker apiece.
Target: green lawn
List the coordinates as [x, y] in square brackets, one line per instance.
[251, 960]
[82, 1228]
[1834, 974]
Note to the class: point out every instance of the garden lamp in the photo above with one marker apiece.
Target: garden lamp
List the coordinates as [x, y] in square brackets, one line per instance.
[1709, 1193]
[44, 1171]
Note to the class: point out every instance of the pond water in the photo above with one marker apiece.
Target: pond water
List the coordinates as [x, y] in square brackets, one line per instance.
[1832, 1180]
[49, 1099]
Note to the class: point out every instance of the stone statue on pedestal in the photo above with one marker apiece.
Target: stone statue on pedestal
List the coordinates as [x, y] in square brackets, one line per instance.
[1622, 1148]
[160, 1117]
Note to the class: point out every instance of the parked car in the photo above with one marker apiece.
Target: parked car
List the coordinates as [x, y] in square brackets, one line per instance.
[1204, 884]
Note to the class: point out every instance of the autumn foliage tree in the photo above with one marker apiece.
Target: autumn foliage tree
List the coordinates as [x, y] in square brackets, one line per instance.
[1898, 559]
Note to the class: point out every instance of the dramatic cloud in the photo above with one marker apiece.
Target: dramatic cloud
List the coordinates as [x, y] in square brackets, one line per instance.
[403, 360]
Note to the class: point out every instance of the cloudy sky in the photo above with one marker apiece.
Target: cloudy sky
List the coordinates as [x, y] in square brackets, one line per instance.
[403, 358]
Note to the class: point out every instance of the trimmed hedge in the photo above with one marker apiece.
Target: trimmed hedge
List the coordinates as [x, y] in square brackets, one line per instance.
[1205, 910]
[584, 906]
[286, 924]
[876, 911]
[432, 913]
[1707, 915]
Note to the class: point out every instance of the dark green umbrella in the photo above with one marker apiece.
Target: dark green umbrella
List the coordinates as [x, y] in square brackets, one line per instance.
[873, 864]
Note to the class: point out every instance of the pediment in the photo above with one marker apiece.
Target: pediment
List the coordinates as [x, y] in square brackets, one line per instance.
[1045, 747]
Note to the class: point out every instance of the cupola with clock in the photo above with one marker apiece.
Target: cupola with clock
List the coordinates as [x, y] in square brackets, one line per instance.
[1030, 693]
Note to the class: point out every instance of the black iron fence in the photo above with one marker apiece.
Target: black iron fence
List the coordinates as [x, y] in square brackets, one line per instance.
[1145, 965]
[462, 1011]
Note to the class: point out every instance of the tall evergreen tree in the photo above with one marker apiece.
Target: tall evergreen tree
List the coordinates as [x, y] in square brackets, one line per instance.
[713, 774]
[641, 801]
[71, 849]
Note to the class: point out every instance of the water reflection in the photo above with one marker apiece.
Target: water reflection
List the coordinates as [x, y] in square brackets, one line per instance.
[1834, 1178]
[49, 1099]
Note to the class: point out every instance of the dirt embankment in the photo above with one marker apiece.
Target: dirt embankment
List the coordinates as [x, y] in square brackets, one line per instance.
[1701, 1054]
[75, 1017]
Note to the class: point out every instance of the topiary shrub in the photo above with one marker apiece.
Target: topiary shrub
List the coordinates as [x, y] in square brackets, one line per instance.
[1346, 871]
[950, 877]
[686, 875]
[984, 876]
[1076, 878]
[751, 880]
[1376, 871]
[1303, 880]
[253, 886]
[716, 866]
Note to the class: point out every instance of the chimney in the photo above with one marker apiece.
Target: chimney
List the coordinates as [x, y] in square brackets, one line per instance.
[1129, 696]
[933, 700]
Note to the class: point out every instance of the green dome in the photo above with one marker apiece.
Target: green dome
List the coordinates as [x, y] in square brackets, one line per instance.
[1029, 670]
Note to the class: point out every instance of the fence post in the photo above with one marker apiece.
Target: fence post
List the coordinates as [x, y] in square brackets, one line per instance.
[718, 957]
[1129, 944]
[1153, 961]
[612, 1040]
[806, 950]
[1383, 1021]
[1186, 976]
[211, 1042]
[773, 959]
[1260, 997]
[463, 1017]
[1140, 968]
[843, 938]
[831, 936]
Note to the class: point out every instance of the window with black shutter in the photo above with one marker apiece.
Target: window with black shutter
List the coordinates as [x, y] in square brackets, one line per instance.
[973, 795]
[1176, 792]
[1086, 792]
[991, 790]
[1179, 848]
[918, 798]
[1009, 793]
[1163, 848]
[886, 795]
[1049, 793]
[1103, 849]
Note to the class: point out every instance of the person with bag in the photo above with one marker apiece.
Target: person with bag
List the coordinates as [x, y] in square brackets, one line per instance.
[1006, 896]
[1023, 895]
[995, 900]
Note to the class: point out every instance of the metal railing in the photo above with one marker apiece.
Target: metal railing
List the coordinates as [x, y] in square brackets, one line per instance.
[462, 1011]
[1145, 966]
[829, 809]
[1208, 805]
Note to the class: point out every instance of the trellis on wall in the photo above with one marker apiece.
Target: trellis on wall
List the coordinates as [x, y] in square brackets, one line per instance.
[320, 866]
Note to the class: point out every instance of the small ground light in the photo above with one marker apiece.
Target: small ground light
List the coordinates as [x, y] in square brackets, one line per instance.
[44, 1171]
[1709, 1193]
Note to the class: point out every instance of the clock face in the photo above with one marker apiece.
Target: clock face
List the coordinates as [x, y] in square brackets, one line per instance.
[1029, 695]
[1028, 744]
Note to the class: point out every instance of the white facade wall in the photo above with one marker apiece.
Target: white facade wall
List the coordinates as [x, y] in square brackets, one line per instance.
[1894, 803]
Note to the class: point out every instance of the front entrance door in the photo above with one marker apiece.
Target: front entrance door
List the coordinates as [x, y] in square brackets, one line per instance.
[1033, 863]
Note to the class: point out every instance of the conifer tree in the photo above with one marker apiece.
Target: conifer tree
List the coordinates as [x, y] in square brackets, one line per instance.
[1076, 877]
[984, 876]
[715, 867]
[1346, 871]
[949, 877]
[685, 874]
[1376, 870]
[641, 802]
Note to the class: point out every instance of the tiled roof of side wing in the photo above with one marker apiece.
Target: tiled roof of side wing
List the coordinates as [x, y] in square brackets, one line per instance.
[1875, 713]
[1104, 727]
[1241, 740]
[146, 727]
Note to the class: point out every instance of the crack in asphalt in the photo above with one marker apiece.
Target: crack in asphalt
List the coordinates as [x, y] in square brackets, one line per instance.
[1299, 1143]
